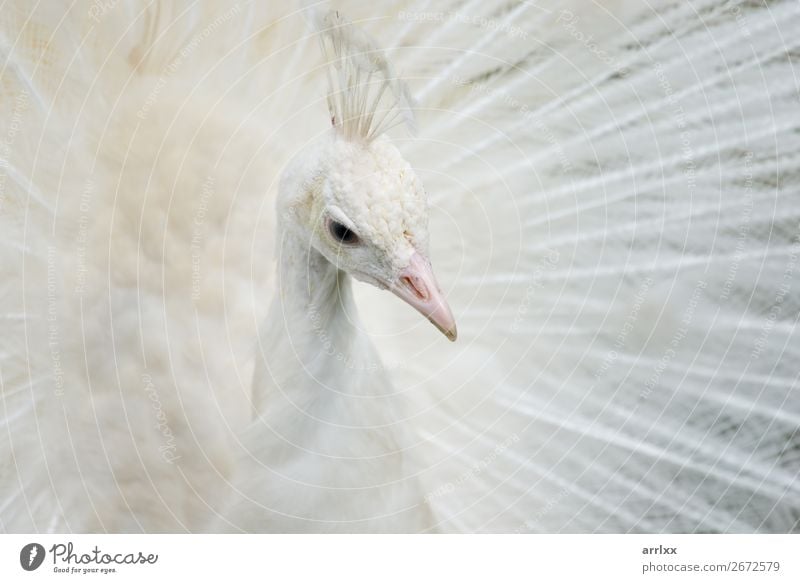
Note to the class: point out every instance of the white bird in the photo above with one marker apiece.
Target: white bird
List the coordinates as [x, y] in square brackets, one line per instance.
[612, 195]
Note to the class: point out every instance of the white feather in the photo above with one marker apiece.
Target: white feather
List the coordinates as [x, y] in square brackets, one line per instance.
[615, 220]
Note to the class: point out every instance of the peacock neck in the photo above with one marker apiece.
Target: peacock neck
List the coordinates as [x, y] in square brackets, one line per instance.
[311, 342]
[330, 428]
[313, 296]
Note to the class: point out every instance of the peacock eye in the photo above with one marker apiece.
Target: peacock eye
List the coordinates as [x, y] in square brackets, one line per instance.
[341, 233]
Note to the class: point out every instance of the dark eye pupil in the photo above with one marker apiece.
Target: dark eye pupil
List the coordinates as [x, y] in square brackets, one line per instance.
[342, 233]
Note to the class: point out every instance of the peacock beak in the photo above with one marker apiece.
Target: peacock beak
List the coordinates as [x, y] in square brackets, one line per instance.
[416, 285]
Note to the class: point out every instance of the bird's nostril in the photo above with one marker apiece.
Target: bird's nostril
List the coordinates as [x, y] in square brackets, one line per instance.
[416, 286]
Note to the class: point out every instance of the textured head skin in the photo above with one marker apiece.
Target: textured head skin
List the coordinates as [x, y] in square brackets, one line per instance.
[374, 192]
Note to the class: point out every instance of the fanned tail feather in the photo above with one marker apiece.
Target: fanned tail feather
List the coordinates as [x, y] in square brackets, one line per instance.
[615, 218]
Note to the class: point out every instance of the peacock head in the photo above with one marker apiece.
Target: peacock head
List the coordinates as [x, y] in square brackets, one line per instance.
[353, 196]
[361, 206]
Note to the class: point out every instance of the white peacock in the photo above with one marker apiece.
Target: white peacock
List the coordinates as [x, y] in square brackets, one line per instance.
[613, 210]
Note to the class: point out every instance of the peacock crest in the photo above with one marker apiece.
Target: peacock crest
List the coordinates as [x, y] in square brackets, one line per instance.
[365, 96]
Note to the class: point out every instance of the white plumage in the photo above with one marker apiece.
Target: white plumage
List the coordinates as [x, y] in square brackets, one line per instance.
[614, 219]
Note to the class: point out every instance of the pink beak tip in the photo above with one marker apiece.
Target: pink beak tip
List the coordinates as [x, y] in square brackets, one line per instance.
[416, 285]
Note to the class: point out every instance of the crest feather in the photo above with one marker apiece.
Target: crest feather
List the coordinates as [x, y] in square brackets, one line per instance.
[365, 97]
